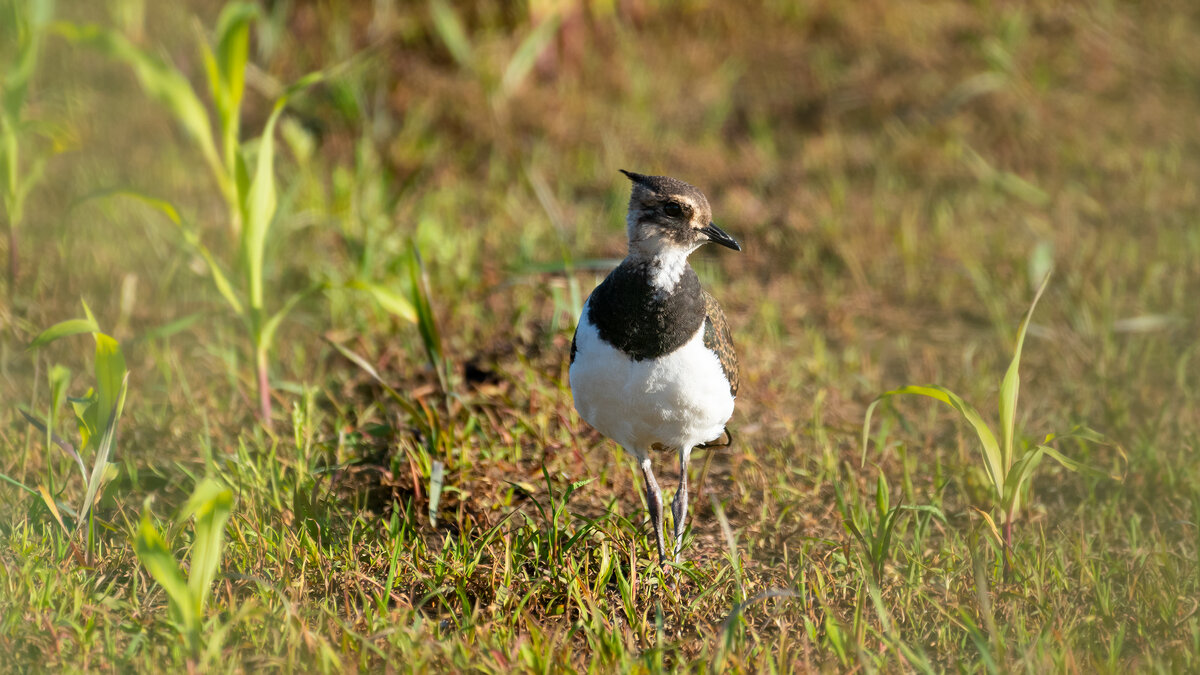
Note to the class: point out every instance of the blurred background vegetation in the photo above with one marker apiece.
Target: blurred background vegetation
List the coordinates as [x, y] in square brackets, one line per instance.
[442, 193]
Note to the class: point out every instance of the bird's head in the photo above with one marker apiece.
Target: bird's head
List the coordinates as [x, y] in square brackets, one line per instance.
[668, 216]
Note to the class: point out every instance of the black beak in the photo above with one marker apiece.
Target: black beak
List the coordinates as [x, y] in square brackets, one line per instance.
[718, 236]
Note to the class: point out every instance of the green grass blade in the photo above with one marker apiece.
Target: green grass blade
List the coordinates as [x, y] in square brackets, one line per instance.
[987, 440]
[64, 329]
[1011, 385]
[18, 484]
[110, 377]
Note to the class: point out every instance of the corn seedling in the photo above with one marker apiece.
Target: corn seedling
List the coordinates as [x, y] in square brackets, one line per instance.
[1008, 472]
[96, 417]
[249, 189]
[210, 505]
[23, 26]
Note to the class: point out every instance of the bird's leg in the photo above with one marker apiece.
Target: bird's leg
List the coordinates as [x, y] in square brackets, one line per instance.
[655, 504]
[679, 506]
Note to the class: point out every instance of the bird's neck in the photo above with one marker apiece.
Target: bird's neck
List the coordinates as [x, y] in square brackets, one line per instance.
[662, 267]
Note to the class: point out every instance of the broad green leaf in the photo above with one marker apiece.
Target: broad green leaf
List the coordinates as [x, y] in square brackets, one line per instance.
[154, 555]
[211, 504]
[110, 376]
[211, 69]
[258, 209]
[987, 440]
[1011, 385]
[392, 302]
[62, 330]
[257, 213]
[233, 48]
[85, 418]
[1017, 476]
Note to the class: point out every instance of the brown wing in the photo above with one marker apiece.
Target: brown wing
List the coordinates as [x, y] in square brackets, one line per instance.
[718, 339]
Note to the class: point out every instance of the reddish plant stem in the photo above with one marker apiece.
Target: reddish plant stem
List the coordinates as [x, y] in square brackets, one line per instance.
[12, 261]
[264, 390]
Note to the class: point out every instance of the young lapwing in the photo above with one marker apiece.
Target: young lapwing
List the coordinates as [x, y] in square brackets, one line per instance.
[652, 362]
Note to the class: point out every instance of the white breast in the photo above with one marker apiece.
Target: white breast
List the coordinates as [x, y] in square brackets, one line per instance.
[679, 400]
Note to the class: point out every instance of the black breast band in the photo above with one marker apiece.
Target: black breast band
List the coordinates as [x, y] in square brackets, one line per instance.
[640, 320]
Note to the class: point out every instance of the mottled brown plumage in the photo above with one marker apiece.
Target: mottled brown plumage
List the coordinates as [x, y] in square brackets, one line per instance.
[718, 339]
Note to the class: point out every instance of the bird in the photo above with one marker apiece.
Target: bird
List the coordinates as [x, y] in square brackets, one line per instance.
[653, 366]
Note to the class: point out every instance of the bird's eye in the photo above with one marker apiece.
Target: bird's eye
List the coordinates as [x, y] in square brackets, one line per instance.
[673, 209]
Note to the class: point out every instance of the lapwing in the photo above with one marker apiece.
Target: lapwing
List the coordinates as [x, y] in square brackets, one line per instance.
[652, 362]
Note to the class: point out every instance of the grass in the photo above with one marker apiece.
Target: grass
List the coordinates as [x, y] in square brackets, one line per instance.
[422, 494]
